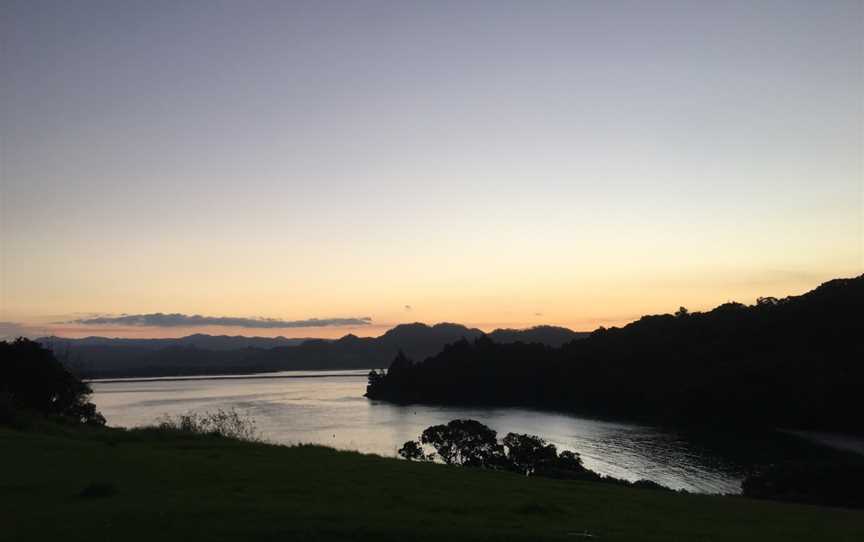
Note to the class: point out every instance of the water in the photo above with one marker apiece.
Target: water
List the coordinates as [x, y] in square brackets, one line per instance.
[329, 408]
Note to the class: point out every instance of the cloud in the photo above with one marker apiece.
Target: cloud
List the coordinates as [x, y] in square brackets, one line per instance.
[159, 319]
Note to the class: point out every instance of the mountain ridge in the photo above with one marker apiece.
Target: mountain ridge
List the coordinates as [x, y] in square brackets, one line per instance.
[96, 357]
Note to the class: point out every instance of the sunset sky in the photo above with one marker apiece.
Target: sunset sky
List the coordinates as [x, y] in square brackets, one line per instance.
[365, 164]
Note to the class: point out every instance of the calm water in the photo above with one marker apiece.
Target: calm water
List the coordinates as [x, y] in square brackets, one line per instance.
[329, 408]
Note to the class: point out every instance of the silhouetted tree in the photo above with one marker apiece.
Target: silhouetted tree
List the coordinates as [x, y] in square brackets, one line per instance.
[32, 379]
[413, 451]
[464, 442]
[471, 444]
[374, 379]
[528, 453]
[570, 460]
[568, 466]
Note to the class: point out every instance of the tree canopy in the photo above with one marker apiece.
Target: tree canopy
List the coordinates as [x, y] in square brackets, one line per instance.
[32, 379]
[469, 443]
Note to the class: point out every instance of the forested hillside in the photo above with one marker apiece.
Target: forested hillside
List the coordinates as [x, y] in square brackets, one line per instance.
[791, 362]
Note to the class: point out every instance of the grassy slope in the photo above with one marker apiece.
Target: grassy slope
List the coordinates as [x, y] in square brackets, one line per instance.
[185, 488]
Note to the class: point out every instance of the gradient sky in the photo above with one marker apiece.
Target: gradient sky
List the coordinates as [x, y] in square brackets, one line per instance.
[491, 163]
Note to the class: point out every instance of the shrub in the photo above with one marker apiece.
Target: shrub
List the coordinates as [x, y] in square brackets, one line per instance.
[224, 423]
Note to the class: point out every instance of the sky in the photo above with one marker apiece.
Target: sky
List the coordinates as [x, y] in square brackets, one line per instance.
[319, 168]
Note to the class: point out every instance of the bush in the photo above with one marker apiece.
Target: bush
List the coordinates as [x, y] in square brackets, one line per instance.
[224, 423]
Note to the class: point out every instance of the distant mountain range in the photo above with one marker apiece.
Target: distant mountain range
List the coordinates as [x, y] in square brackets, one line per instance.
[199, 340]
[101, 357]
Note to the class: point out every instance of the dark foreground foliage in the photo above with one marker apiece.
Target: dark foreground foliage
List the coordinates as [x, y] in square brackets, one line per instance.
[795, 362]
[33, 380]
[469, 443]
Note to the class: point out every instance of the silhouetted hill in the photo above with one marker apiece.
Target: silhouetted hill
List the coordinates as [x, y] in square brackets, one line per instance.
[549, 335]
[206, 354]
[420, 341]
[352, 352]
[793, 362]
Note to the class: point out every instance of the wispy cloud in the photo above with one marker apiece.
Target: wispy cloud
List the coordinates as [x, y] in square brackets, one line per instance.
[158, 319]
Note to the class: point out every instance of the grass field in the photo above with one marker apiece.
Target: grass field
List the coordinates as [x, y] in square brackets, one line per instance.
[64, 484]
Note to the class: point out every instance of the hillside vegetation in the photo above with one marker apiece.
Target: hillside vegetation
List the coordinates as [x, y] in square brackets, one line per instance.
[795, 362]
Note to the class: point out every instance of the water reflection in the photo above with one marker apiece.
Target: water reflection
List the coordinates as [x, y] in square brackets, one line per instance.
[331, 410]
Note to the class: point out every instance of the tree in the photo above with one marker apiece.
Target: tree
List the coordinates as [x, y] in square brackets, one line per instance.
[375, 379]
[413, 451]
[464, 442]
[31, 378]
[528, 453]
[568, 460]
[567, 466]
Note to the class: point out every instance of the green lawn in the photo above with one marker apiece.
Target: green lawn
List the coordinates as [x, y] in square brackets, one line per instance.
[170, 487]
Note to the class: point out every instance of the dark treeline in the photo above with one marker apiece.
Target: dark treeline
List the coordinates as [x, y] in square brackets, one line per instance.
[469, 443]
[792, 362]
